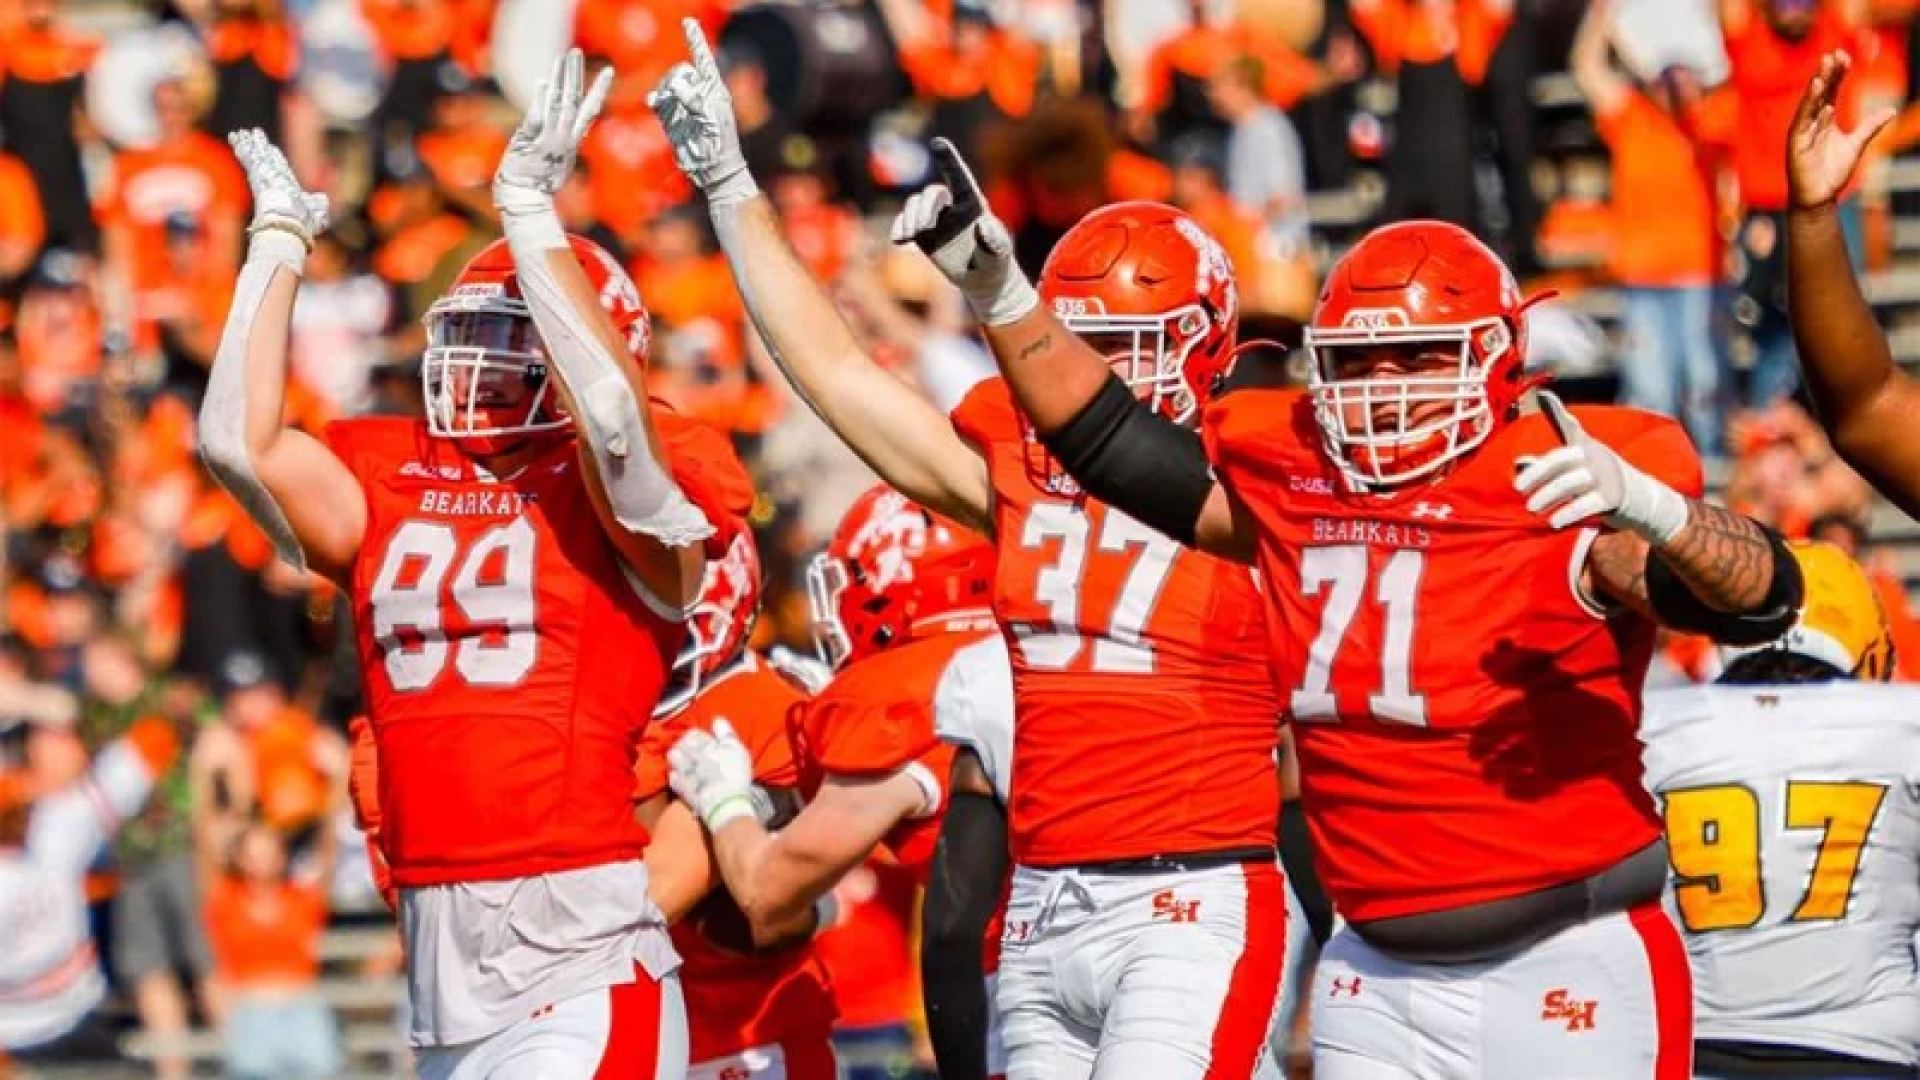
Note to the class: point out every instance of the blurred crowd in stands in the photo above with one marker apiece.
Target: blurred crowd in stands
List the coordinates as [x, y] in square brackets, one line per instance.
[1648, 187]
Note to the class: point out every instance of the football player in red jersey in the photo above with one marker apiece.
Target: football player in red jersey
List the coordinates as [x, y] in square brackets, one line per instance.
[1462, 598]
[900, 605]
[754, 1008]
[899, 598]
[1143, 769]
[536, 513]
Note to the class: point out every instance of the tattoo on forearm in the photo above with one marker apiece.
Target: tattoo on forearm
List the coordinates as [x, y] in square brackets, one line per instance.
[1618, 564]
[1723, 557]
[1037, 345]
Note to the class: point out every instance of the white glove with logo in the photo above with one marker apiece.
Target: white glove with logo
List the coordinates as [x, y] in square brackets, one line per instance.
[696, 109]
[542, 151]
[713, 775]
[286, 216]
[950, 221]
[1586, 479]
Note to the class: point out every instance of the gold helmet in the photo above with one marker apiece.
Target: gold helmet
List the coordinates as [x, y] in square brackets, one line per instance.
[1841, 622]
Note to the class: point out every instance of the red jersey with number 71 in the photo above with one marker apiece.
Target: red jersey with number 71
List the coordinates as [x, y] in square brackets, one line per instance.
[1146, 717]
[1466, 717]
[510, 661]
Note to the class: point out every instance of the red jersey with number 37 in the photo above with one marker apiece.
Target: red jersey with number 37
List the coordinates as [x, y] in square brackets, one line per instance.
[1466, 718]
[738, 1001]
[510, 662]
[1147, 721]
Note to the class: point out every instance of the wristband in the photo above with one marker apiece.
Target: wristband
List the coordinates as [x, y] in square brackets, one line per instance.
[736, 805]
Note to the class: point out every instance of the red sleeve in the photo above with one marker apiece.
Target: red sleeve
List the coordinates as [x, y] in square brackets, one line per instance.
[985, 415]
[708, 472]
[650, 765]
[867, 738]
[1660, 448]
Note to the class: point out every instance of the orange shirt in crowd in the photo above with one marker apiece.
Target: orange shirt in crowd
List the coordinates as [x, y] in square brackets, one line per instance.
[411, 29]
[1419, 32]
[199, 300]
[196, 174]
[1666, 225]
[824, 235]
[1199, 51]
[630, 168]
[642, 37]
[1767, 74]
[272, 45]
[408, 256]
[1007, 72]
[293, 790]
[463, 159]
[267, 937]
[21, 217]
[46, 57]
[869, 951]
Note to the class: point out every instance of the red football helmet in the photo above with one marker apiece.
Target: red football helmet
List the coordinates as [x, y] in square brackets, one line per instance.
[893, 570]
[719, 623]
[1154, 292]
[1413, 284]
[485, 370]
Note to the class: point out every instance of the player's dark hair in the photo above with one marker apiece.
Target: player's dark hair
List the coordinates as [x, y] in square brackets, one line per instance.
[1778, 667]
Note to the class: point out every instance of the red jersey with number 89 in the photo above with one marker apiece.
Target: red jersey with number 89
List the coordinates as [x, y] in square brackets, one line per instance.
[1147, 721]
[1466, 718]
[510, 663]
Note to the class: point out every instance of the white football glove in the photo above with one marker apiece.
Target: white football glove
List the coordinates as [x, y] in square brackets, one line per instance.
[542, 151]
[696, 109]
[280, 204]
[1586, 479]
[950, 221]
[713, 775]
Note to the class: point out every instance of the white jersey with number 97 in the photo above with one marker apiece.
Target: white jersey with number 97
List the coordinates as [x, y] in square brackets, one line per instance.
[1793, 816]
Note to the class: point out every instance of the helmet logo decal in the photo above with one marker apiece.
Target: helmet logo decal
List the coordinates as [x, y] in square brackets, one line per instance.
[1375, 319]
[895, 533]
[1212, 264]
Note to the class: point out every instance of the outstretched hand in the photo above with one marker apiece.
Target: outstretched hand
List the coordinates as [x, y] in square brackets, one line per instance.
[952, 223]
[543, 148]
[279, 202]
[1821, 157]
[1584, 479]
[696, 110]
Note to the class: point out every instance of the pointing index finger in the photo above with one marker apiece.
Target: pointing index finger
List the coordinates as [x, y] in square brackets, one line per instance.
[697, 47]
[953, 169]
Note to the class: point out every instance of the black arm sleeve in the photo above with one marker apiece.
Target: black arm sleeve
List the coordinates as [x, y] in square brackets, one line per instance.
[1130, 457]
[1679, 609]
[969, 876]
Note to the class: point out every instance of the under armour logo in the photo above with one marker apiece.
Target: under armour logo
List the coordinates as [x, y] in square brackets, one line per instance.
[1436, 511]
[1561, 1005]
[1349, 987]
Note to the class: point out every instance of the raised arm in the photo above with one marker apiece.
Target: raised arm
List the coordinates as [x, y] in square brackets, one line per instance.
[1869, 407]
[1117, 448]
[643, 512]
[301, 495]
[894, 429]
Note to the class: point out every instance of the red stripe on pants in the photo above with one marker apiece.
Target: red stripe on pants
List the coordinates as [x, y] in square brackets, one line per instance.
[1253, 990]
[633, 1030]
[1672, 990]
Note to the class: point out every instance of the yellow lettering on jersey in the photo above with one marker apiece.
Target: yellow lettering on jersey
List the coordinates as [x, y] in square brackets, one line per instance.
[1713, 839]
[1846, 813]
